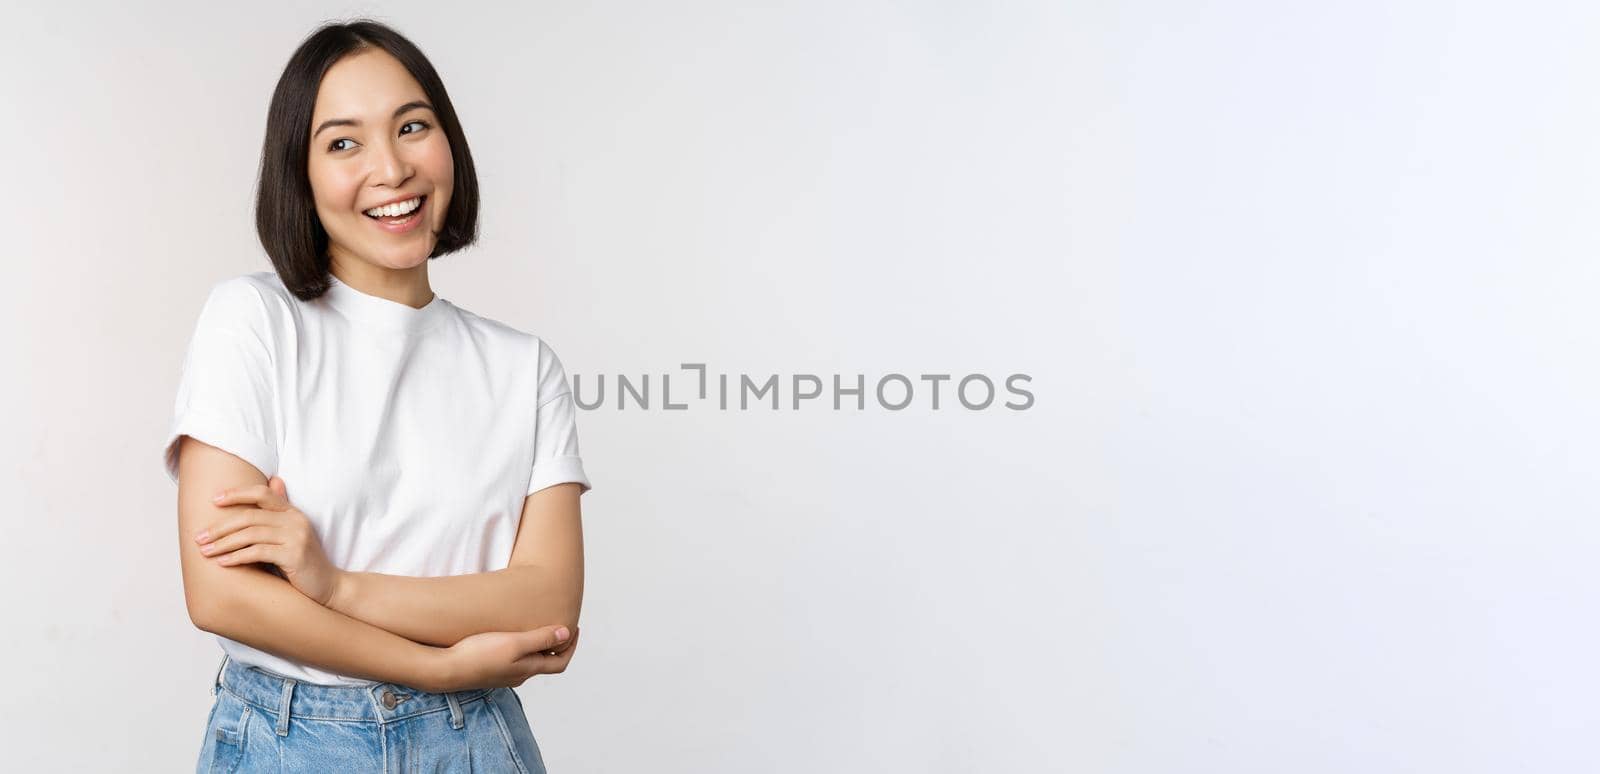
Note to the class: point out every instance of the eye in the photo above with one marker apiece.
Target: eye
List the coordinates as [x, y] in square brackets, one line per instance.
[334, 146]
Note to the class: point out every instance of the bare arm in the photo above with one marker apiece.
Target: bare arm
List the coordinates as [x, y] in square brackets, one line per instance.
[263, 611]
[542, 586]
[248, 604]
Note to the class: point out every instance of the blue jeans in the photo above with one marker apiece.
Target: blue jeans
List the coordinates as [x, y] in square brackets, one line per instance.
[263, 721]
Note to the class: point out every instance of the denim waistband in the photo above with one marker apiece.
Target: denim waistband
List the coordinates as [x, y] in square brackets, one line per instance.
[287, 697]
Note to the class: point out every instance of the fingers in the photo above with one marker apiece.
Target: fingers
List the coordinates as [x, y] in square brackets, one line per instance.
[547, 644]
[566, 647]
[562, 650]
[544, 664]
[261, 495]
[259, 533]
[260, 552]
[229, 525]
[544, 638]
[539, 659]
[268, 500]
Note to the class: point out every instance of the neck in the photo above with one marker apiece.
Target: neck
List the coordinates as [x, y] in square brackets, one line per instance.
[402, 286]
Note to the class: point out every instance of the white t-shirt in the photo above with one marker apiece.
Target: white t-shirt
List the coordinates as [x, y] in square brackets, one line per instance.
[408, 437]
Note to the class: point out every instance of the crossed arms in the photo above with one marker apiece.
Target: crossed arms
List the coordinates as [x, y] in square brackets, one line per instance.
[388, 628]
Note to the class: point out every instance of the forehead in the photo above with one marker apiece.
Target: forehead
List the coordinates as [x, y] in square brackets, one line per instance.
[367, 87]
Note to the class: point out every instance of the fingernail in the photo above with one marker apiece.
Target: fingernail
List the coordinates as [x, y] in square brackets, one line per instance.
[561, 634]
[216, 498]
[202, 536]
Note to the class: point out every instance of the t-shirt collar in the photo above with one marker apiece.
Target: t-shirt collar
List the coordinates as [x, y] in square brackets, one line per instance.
[381, 312]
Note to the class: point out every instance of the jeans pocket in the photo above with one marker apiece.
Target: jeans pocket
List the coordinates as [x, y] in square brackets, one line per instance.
[225, 734]
[514, 730]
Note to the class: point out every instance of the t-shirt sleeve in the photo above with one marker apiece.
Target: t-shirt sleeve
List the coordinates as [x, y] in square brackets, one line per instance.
[555, 432]
[226, 393]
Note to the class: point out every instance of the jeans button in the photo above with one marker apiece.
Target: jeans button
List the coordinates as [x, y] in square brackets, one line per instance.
[388, 699]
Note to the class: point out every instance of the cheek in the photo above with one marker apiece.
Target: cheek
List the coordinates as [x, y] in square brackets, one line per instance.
[333, 193]
[438, 157]
[441, 169]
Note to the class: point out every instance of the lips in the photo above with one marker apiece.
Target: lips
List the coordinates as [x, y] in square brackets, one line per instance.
[402, 224]
[422, 200]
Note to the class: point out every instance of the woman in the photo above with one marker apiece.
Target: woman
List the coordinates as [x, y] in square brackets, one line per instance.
[378, 490]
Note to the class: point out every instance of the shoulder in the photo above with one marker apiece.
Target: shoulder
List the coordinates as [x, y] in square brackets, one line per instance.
[255, 304]
[489, 326]
[519, 342]
[529, 349]
[238, 303]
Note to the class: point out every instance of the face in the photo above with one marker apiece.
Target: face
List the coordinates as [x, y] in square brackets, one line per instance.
[364, 154]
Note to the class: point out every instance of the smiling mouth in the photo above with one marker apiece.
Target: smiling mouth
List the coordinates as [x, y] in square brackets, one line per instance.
[399, 220]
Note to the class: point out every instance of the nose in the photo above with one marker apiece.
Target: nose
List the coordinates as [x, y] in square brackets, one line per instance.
[389, 166]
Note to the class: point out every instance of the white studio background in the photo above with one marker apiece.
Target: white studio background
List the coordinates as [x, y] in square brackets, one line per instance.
[1306, 292]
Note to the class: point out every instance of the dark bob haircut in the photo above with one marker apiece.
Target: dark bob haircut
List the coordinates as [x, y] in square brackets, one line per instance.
[286, 215]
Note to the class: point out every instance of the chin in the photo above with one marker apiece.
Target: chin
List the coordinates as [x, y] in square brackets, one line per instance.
[408, 259]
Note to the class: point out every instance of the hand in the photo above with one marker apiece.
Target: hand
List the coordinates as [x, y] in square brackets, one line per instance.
[504, 659]
[274, 532]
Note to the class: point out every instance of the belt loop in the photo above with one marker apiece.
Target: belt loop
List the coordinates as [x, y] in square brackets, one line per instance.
[283, 707]
[217, 681]
[456, 721]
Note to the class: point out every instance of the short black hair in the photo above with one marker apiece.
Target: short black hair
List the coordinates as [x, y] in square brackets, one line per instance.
[286, 215]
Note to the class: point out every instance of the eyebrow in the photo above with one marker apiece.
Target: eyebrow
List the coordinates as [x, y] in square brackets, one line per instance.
[412, 105]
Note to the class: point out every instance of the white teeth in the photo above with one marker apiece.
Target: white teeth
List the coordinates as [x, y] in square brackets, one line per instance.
[399, 208]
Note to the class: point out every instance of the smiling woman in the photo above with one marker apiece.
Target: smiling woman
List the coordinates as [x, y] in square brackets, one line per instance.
[367, 155]
[362, 121]
[378, 491]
